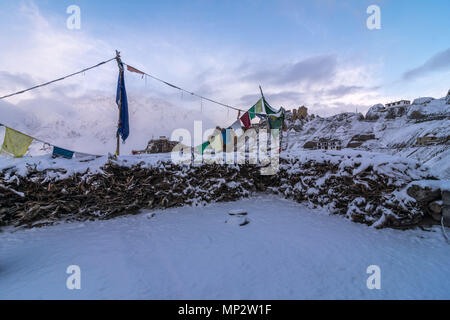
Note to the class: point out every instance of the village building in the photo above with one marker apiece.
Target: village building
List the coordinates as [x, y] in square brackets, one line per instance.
[329, 144]
[400, 103]
[161, 145]
[431, 139]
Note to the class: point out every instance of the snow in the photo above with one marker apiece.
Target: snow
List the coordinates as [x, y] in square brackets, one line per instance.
[432, 184]
[287, 251]
[396, 136]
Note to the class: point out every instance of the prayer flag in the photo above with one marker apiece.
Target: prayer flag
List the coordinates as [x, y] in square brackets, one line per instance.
[201, 148]
[237, 128]
[258, 106]
[62, 153]
[121, 99]
[216, 143]
[252, 112]
[132, 69]
[268, 108]
[16, 143]
[246, 120]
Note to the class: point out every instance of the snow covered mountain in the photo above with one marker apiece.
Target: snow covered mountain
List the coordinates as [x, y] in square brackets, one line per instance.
[394, 130]
[89, 124]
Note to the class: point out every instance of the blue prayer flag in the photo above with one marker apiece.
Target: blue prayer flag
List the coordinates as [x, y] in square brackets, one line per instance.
[123, 129]
[62, 153]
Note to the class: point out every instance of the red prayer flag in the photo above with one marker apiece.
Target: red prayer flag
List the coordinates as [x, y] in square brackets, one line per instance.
[246, 120]
[132, 69]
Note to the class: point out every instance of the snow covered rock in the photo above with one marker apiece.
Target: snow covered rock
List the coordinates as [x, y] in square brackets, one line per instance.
[423, 194]
[375, 112]
[422, 101]
[237, 221]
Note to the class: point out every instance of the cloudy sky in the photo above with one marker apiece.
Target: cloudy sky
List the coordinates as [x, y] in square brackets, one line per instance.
[315, 53]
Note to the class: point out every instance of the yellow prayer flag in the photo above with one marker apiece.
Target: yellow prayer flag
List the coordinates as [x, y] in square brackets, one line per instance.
[259, 106]
[216, 143]
[16, 143]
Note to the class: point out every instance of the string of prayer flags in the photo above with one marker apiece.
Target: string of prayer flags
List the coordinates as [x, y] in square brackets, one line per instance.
[246, 120]
[16, 143]
[62, 153]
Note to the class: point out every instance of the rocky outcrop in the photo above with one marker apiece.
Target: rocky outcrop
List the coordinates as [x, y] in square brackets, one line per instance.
[433, 197]
[375, 112]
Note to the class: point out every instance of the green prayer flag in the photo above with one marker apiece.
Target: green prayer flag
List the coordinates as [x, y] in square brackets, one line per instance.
[201, 148]
[275, 122]
[268, 108]
[252, 113]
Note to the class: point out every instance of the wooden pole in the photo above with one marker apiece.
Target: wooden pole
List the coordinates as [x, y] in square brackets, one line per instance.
[120, 65]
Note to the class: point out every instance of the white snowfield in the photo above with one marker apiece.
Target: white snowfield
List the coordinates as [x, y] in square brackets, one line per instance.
[287, 251]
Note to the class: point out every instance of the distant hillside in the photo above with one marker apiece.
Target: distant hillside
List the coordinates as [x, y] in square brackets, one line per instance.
[389, 130]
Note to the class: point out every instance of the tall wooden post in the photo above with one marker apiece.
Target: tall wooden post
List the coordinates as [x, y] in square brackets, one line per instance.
[120, 65]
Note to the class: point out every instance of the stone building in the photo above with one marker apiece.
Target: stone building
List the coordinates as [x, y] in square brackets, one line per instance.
[324, 144]
[400, 103]
[161, 145]
[300, 113]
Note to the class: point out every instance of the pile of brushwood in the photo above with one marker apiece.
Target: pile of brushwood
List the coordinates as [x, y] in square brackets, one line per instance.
[367, 193]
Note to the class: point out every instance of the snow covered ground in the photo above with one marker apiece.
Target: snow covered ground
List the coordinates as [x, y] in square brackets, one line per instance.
[288, 251]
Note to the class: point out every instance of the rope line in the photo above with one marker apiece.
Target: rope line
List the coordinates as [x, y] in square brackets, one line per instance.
[190, 92]
[56, 80]
[48, 143]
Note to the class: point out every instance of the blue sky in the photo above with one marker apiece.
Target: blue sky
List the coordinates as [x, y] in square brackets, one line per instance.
[317, 53]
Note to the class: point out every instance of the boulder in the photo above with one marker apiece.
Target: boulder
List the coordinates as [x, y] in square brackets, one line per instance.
[416, 115]
[423, 195]
[435, 209]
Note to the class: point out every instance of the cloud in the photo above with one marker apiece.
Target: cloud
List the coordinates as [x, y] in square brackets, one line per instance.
[439, 62]
[344, 90]
[10, 81]
[80, 112]
[309, 71]
[279, 97]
